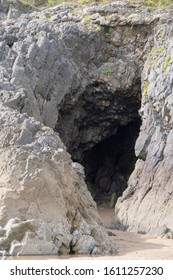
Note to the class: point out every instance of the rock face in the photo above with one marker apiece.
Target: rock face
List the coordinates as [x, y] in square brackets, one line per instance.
[76, 73]
[147, 204]
[45, 206]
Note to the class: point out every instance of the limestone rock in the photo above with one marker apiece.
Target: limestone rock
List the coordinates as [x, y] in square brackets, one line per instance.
[147, 204]
[84, 245]
[40, 191]
[59, 67]
[162, 232]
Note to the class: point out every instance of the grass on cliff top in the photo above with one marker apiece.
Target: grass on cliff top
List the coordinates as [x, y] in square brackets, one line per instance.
[158, 3]
[51, 3]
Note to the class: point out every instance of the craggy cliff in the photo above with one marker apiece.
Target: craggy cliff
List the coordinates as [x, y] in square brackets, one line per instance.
[72, 81]
[147, 203]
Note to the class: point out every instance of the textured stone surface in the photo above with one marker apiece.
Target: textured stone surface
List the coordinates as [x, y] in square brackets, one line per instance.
[75, 70]
[50, 61]
[147, 204]
[43, 200]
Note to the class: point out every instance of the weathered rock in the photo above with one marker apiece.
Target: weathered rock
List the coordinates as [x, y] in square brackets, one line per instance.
[147, 203]
[77, 71]
[60, 67]
[163, 232]
[12, 9]
[43, 200]
[84, 245]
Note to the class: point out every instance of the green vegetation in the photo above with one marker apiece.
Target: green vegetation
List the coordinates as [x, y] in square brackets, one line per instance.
[51, 3]
[134, 2]
[108, 17]
[157, 51]
[83, 2]
[153, 3]
[108, 72]
[155, 54]
[145, 56]
[158, 3]
[106, 56]
[87, 19]
[46, 16]
[86, 2]
[25, 2]
[146, 86]
[34, 3]
[98, 28]
[112, 47]
[90, 26]
[110, 31]
[161, 33]
[167, 62]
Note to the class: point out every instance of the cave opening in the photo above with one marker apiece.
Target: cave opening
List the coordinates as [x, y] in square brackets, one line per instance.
[100, 129]
[109, 164]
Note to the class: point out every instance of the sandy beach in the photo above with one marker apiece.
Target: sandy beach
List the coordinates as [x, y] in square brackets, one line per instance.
[137, 246]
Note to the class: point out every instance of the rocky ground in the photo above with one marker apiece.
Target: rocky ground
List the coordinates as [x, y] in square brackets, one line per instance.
[131, 246]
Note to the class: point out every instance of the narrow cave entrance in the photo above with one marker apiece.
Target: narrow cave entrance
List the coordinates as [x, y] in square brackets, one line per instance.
[100, 129]
[109, 164]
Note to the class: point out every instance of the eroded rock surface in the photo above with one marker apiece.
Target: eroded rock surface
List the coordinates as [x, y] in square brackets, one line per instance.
[77, 72]
[147, 204]
[45, 206]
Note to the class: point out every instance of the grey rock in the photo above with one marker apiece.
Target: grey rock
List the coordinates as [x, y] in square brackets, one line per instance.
[39, 200]
[162, 231]
[53, 63]
[84, 245]
[149, 207]
[2, 232]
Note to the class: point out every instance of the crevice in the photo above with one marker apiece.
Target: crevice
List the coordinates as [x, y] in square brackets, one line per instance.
[10, 40]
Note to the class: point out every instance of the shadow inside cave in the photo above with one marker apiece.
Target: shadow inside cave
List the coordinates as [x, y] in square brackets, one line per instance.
[100, 129]
[109, 164]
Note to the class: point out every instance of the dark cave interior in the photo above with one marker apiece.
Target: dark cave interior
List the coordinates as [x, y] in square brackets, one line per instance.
[109, 164]
[100, 129]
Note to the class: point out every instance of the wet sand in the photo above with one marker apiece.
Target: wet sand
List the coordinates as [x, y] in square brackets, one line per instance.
[137, 246]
